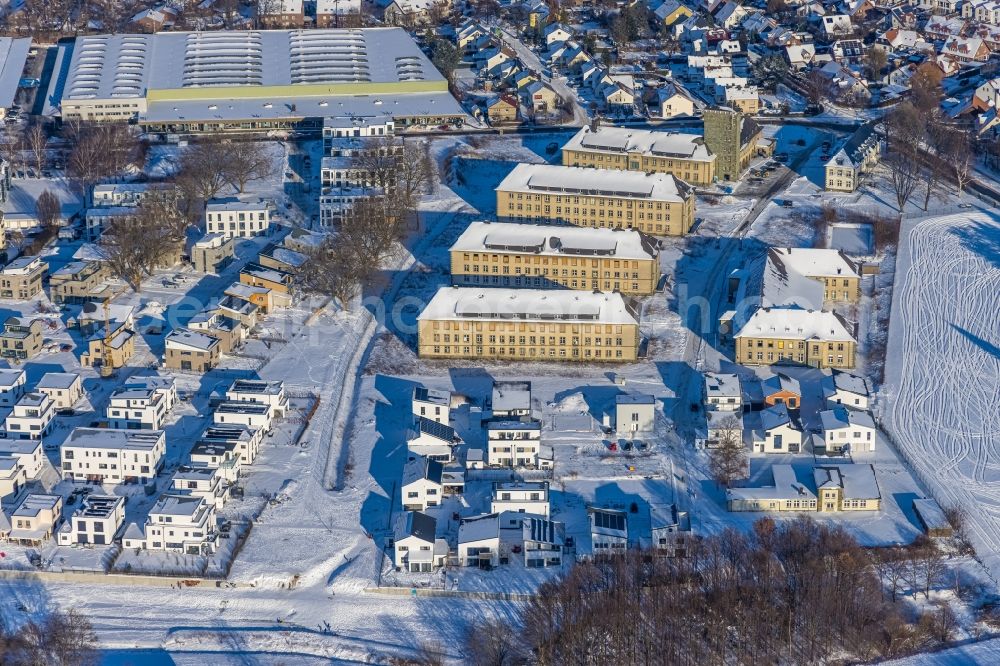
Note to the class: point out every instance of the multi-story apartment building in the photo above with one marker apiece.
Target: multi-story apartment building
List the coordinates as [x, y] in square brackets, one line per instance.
[237, 218]
[22, 278]
[21, 338]
[851, 163]
[271, 393]
[812, 278]
[212, 252]
[528, 325]
[105, 455]
[97, 521]
[31, 417]
[78, 281]
[650, 151]
[524, 255]
[178, 524]
[27, 453]
[515, 443]
[820, 339]
[338, 14]
[336, 128]
[142, 404]
[219, 455]
[654, 203]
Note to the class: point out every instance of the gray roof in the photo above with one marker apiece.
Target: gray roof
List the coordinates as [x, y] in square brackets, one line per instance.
[840, 417]
[57, 380]
[775, 416]
[634, 399]
[845, 381]
[13, 55]
[416, 524]
[479, 528]
[544, 531]
[780, 382]
[858, 481]
[721, 384]
[419, 467]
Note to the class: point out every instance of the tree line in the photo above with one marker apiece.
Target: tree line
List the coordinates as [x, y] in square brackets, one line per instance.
[797, 592]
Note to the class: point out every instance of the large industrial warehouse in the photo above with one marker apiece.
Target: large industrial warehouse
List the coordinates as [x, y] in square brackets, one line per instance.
[262, 80]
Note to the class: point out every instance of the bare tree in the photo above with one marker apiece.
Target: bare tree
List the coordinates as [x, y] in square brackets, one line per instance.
[48, 209]
[100, 151]
[35, 139]
[58, 639]
[906, 129]
[728, 460]
[245, 162]
[492, 643]
[953, 146]
[134, 245]
[201, 175]
[334, 270]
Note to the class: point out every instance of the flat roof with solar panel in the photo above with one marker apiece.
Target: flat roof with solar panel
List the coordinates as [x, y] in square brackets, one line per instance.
[582, 181]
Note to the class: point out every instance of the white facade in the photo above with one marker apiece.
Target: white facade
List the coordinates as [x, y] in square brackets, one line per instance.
[36, 518]
[544, 542]
[250, 414]
[421, 486]
[417, 550]
[11, 386]
[608, 531]
[245, 441]
[179, 524]
[479, 541]
[234, 218]
[513, 443]
[271, 393]
[31, 418]
[97, 521]
[777, 433]
[204, 482]
[635, 414]
[432, 404]
[28, 453]
[521, 497]
[847, 390]
[139, 407]
[65, 389]
[847, 429]
[723, 392]
[105, 455]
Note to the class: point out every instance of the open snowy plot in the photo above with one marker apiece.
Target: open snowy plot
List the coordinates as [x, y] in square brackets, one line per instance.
[986, 652]
[943, 367]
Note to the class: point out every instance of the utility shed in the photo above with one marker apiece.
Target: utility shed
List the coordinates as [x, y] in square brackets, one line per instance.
[932, 518]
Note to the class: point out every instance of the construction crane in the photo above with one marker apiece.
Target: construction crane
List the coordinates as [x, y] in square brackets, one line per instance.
[107, 360]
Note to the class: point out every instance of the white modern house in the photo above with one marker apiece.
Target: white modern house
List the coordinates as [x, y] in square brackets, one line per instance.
[65, 389]
[432, 404]
[843, 388]
[531, 497]
[635, 414]
[221, 455]
[421, 486]
[847, 430]
[176, 523]
[205, 482]
[670, 529]
[271, 393]
[254, 415]
[515, 444]
[417, 549]
[97, 521]
[544, 542]
[27, 453]
[432, 439]
[234, 217]
[608, 531]
[11, 386]
[479, 541]
[777, 432]
[140, 406]
[106, 455]
[244, 440]
[723, 392]
[31, 417]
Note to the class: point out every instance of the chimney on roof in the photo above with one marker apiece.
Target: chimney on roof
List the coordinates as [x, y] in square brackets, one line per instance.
[595, 124]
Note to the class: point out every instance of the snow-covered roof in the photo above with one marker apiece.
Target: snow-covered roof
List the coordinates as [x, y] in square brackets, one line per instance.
[718, 384]
[657, 143]
[479, 528]
[845, 381]
[503, 237]
[524, 304]
[780, 382]
[186, 338]
[111, 438]
[795, 323]
[857, 481]
[13, 55]
[10, 377]
[792, 275]
[841, 417]
[33, 504]
[536, 178]
[634, 399]
[786, 486]
[177, 505]
[235, 204]
[542, 530]
[510, 396]
[57, 380]
[419, 468]
[432, 396]
[775, 417]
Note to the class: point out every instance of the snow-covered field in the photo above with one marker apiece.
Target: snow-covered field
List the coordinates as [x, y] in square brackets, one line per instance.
[943, 369]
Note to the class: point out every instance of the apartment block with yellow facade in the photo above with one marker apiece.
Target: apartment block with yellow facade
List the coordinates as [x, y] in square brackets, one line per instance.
[813, 278]
[498, 254]
[654, 203]
[847, 487]
[528, 325]
[650, 151]
[816, 338]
